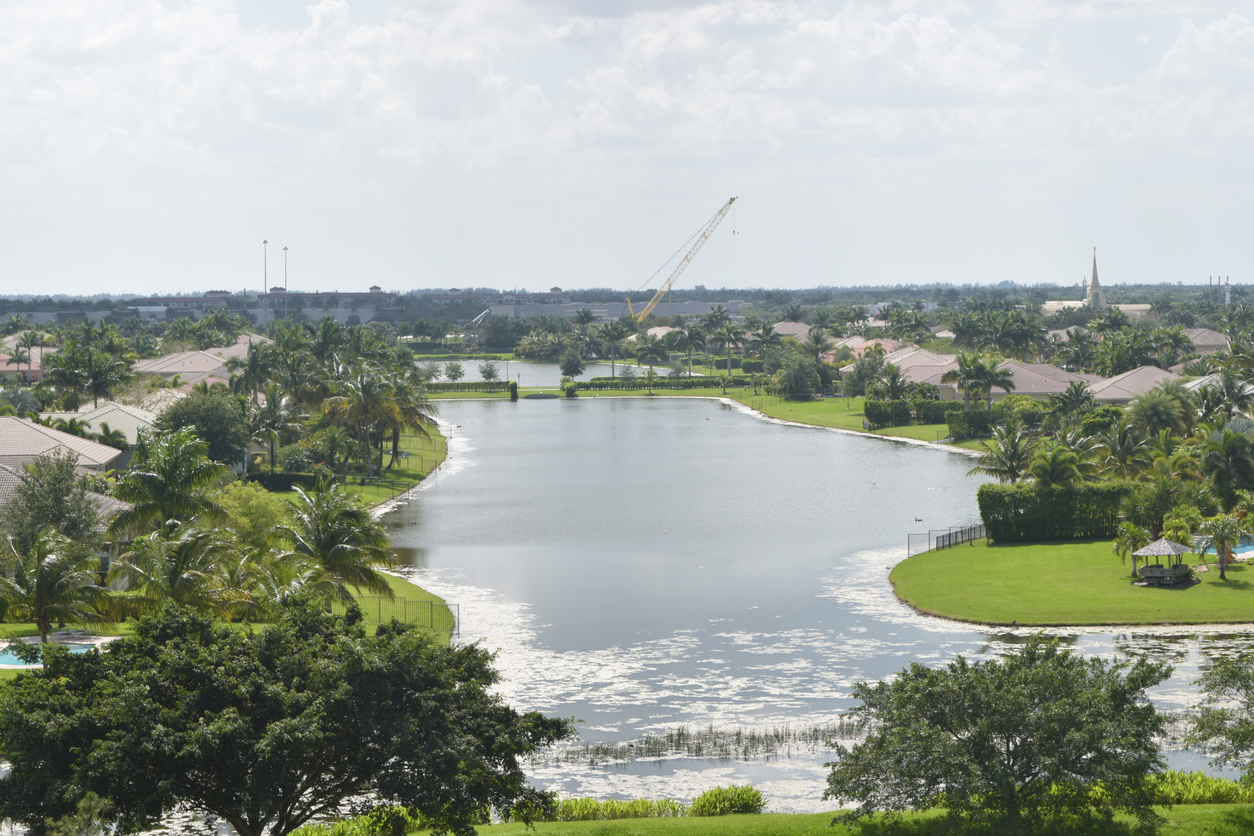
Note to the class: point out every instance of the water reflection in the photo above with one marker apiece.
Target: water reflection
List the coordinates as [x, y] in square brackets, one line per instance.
[642, 564]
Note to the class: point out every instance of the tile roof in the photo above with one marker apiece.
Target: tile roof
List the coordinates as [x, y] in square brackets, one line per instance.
[22, 440]
[129, 419]
[1126, 386]
[1205, 337]
[1040, 378]
[796, 330]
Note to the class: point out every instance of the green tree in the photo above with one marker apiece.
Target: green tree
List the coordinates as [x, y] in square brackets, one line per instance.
[50, 494]
[454, 371]
[764, 340]
[218, 419]
[1129, 537]
[891, 384]
[1228, 460]
[1154, 411]
[1224, 724]
[572, 363]
[968, 377]
[55, 581]
[1043, 736]
[488, 371]
[308, 713]
[649, 349]
[1224, 531]
[1008, 458]
[270, 421]
[365, 400]
[331, 529]
[728, 337]
[182, 569]
[612, 335]
[171, 481]
[797, 377]
[1055, 466]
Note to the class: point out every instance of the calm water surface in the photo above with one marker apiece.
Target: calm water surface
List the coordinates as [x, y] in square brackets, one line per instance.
[641, 564]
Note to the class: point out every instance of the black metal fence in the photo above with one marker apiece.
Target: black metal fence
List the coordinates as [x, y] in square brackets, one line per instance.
[942, 538]
[435, 615]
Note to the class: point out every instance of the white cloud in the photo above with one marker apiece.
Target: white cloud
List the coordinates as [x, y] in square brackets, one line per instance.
[394, 145]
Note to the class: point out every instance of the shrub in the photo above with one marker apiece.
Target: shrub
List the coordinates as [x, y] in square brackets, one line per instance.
[887, 413]
[1100, 419]
[725, 801]
[978, 423]
[750, 366]
[513, 390]
[935, 412]
[295, 458]
[1175, 787]
[1013, 513]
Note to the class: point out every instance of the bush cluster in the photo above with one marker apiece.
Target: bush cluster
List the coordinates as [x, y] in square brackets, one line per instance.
[1031, 512]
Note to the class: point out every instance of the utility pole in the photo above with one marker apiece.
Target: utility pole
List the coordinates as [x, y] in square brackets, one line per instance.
[265, 268]
[285, 282]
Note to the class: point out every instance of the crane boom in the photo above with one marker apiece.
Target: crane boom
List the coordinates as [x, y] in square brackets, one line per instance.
[666, 285]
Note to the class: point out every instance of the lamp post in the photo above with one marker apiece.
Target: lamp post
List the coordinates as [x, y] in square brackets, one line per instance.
[265, 268]
[285, 282]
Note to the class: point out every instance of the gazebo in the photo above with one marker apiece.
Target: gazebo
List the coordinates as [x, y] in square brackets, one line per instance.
[1175, 572]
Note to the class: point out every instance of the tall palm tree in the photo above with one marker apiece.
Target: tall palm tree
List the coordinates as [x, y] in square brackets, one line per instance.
[170, 482]
[415, 411]
[728, 336]
[254, 368]
[1007, 459]
[55, 582]
[649, 349]
[28, 341]
[1224, 531]
[766, 338]
[693, 339]
[815, 345]
[969, 377]
[365, 401]
[269, 422]
[17, 357]
[1076, 399]
[341, 537]
[612, 334]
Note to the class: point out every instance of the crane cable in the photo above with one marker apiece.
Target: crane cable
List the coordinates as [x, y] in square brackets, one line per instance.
[700, 229]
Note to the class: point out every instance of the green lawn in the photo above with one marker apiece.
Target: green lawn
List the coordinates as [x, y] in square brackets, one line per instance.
[1191, 820]
[1069, 583]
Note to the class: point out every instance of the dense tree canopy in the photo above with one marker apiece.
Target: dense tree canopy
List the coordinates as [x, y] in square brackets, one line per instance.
[309, 712]
[1014, 743]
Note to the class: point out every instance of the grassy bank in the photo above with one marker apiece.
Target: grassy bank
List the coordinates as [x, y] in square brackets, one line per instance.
[1192, 820]
[1072, 583]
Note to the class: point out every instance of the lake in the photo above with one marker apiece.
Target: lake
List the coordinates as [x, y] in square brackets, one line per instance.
[642, 564]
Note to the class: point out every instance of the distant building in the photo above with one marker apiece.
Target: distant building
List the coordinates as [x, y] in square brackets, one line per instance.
[1095, 300]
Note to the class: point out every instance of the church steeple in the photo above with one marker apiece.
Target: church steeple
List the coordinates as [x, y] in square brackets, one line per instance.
[1095, 299]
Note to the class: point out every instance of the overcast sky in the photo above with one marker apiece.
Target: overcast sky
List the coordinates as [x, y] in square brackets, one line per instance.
[151, 146]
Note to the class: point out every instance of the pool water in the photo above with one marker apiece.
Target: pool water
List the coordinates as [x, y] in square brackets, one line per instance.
[9, 658]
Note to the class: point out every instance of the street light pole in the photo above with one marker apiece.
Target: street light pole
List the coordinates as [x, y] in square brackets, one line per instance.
[265, 267]
[285, 282]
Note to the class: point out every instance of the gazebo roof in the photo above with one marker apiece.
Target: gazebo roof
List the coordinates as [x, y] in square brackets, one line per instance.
[1162, 548]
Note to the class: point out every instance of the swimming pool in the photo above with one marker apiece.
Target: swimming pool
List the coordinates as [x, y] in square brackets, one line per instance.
[7, 657]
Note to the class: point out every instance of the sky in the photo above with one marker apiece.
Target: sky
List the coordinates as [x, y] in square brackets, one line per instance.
[152, 145]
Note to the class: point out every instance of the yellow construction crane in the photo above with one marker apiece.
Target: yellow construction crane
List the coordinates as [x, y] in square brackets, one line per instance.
[666, 285]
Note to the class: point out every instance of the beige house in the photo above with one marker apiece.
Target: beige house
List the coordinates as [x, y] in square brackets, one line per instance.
[1206, 341]
[1123, 388]
[22, 440]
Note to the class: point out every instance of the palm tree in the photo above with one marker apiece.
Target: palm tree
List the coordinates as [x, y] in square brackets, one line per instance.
[1156, 410]
[797, 377]
[269, 422]
[254, 368]
[1077, 398]
[649, 349]
[970, 375]
[764, 339]
[1007, 459]
[1224, 531]
[728, 337]
[1227, 458]
[891, 384]
[415, 411]
[170, 482]
[183, 569]
[364, 401]
[1122, 452]
[331, 529]
[1129, 537]
[815, 345]
[692, 339]
[53, 583]
[17, 357]
[612, 334]
[28, 341]
[1055, 466]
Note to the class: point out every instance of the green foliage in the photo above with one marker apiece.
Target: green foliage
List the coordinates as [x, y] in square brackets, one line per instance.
[977, 423]
[469, 386]
[725, 801]
[308, 713]
[50, 494]
[513, 390]
[252, 511]
[1175, 787]
[935, 412]
[592, 809]
[384, 820]
[1100, 419]
[90, 818]
[752, 366]
[610, 383]
[887, 413]
[1224, 725]
[1042, 738]
[217, 419]
[572, 363]
[1030, 512]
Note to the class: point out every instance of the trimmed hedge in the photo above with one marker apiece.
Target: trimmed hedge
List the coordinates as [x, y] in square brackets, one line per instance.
[470, 386]
[978, 423]
[513, 390]
[936, 412]
[887, 413]
[752, 366]
[735, 382]
[1027, 512]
